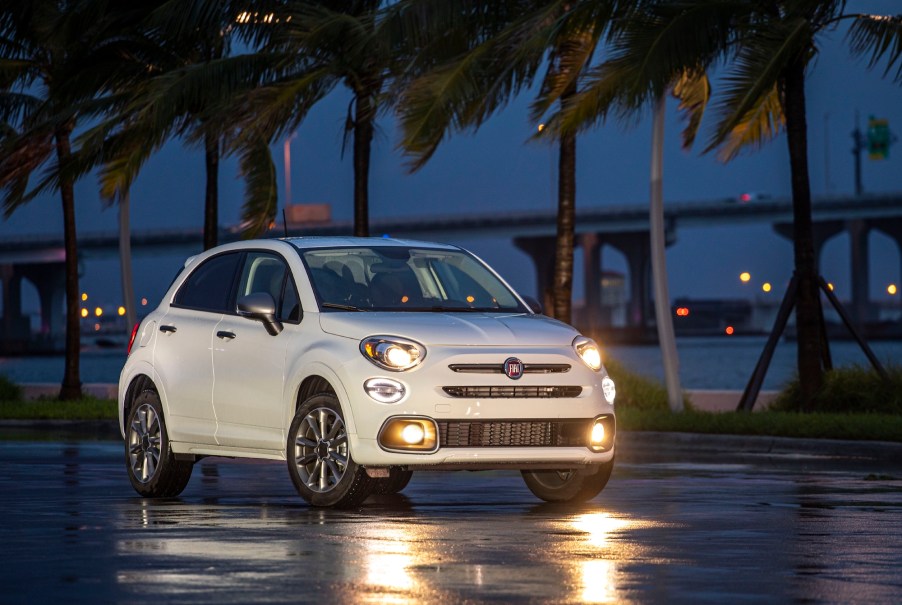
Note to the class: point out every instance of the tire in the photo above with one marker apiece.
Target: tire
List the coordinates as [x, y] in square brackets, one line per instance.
[152, 468]
[396, 481]
[569, 485]
[319, 456]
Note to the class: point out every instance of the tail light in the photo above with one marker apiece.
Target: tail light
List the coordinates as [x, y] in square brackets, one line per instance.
[131, 340]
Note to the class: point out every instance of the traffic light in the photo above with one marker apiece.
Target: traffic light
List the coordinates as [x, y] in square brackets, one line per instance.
[878, 138]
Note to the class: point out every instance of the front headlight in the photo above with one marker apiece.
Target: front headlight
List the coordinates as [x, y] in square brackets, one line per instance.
[392, 353]
[588, 351]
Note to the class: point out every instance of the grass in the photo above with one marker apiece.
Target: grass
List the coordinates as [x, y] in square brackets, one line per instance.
[86, 408]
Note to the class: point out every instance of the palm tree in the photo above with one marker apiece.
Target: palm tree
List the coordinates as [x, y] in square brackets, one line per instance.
[767, 47]
[42, 44]
[315, 47]
[492, 61]
[185, 86]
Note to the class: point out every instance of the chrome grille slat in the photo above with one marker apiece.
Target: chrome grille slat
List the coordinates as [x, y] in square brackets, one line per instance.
[513, 392]
[513, 433]
[498, 368]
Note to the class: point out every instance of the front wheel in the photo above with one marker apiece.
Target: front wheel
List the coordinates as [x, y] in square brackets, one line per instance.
[568, 485]
[319, 456]
[153, 469]
[396, 481]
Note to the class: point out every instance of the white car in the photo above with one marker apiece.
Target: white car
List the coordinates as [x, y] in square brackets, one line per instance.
[359, 361]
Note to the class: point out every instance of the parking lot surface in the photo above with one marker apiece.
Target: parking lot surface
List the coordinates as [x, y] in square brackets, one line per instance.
[670, 527]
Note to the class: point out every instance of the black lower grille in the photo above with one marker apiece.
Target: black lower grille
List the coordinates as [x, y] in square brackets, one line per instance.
[514, 433]
[512, 392]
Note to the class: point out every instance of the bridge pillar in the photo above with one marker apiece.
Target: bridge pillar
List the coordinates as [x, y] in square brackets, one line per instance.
[636, 247]
[591, 246]
[861, 270]
[859, 258]
[15, 327]
[893, 228]
[541, 250]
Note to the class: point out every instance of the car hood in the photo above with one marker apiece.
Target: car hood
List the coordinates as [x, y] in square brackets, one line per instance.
[452, 329]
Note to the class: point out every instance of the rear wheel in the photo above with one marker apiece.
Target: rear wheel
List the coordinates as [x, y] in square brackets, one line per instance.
[396, 481]
[568, 485]
[153, 469]
[319, 456]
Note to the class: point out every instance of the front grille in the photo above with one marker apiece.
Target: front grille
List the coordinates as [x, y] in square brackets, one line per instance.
[514, 433]
[514, 392]
[498, 368]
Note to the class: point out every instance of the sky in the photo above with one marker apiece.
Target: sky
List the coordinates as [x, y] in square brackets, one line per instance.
[499, 169]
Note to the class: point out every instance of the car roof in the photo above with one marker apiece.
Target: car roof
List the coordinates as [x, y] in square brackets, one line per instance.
[307, 243]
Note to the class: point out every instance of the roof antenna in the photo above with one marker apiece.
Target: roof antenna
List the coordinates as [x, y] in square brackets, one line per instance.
[284, 222]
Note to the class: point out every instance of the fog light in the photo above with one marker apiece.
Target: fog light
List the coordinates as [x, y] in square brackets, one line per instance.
[384, 390]
[601, 437]
[413, 434]
[409, 434]
[598, 434]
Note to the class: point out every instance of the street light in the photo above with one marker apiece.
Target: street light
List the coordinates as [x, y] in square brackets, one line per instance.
[766, 286]
[745, 276]
[892, 290]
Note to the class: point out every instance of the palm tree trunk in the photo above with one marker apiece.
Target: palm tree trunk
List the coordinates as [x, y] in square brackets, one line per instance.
[71, 386]
[566, 222]
[125, 261]
[365, 115]
[211, 198]
[808, 319]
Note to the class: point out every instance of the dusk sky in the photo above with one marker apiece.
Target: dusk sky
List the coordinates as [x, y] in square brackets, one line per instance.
[498, 170]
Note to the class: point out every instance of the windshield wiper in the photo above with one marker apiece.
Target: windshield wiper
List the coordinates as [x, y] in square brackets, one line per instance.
[329, 305]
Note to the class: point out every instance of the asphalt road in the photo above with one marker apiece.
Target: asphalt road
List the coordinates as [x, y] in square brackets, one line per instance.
[680, 521]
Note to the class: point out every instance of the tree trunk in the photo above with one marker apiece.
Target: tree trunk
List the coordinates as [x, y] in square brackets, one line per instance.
[566, 222]
[364, 118]
[211, 198]
[71, 387]
[125, 262]
[808, 320]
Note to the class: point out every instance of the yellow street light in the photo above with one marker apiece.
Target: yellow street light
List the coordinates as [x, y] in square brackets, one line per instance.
[121, 311]
[830, 285]
[98, 311]
[766, 286]
[84, 296]
[84, 312]
[745, 276]
[892, 289]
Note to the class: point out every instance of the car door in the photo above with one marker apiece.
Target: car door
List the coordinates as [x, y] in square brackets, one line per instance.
[183, 356]
[249, 363]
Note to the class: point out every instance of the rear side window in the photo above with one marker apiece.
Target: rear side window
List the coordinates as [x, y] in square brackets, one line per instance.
[209, 286]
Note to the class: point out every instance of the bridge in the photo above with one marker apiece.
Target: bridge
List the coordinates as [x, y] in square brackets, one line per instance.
[39, 258]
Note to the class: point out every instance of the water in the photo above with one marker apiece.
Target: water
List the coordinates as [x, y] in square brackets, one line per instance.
[705, 363]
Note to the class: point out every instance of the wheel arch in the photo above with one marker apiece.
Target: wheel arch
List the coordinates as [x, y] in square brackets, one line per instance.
[319, 378]
[139, 384]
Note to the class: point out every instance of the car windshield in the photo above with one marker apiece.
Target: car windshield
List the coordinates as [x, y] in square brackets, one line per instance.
[395, 278]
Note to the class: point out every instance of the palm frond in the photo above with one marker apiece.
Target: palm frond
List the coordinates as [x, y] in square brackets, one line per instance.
[260, 199]
[693, 90]
[758, 126]
[880, 39]
[757, 70]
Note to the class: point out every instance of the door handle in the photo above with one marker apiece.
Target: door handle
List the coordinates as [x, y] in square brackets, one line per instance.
[170, 329]
[226, 335]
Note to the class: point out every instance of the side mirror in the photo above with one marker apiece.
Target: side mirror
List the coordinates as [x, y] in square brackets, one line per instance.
[534, 305]
[261, 307]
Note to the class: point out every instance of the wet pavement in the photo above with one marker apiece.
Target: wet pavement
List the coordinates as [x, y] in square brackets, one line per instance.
[670, 527]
